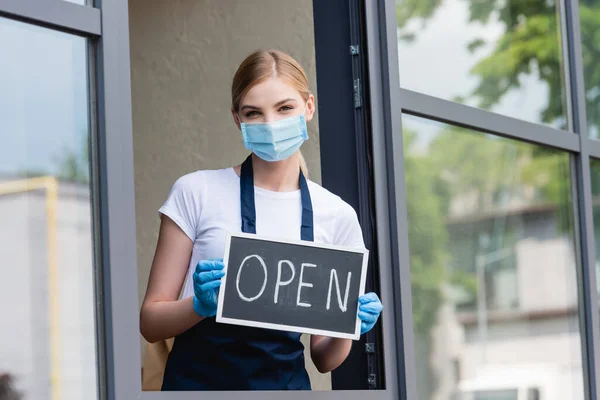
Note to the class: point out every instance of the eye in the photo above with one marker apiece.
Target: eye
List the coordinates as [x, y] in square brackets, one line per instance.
[286, 108]
[251, 114]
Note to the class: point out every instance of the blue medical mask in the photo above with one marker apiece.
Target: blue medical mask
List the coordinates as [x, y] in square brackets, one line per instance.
[275, 141]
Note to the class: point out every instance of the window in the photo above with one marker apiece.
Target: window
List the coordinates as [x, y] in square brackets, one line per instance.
[484, 281]
[589, 17]
[493, 262]
[502, 56]
[185, 70]
[595, 175]
[47, 299]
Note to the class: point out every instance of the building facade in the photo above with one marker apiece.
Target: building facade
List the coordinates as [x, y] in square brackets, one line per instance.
[464, 133]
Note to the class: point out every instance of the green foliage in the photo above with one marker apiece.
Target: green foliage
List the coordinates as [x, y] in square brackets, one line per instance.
[490, 168]
[427, 236]
[530, 46]
[69, 165]
[73, 166]
[589, 15]
[8, 388]
[466, 281]
[412, 9]
[485, 171]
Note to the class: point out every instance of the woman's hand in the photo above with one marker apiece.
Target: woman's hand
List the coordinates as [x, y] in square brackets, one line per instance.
[369, 309]
[328, 353]
[163, 314]
[207, 280]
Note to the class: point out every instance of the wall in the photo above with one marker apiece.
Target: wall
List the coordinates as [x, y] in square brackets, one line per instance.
[183, 56]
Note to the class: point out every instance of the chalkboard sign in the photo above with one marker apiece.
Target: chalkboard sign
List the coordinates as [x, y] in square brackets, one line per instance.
[295, 286]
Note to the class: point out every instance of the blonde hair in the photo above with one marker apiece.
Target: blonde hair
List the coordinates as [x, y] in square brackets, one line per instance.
[262, 65]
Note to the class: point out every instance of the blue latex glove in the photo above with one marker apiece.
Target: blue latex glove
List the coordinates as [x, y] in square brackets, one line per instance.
[369, 309]
[207, 280]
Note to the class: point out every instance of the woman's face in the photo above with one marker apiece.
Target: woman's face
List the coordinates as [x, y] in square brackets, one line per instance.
[272, 100]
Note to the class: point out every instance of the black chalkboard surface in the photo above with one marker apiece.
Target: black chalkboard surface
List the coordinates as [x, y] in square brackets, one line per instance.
[295, 286]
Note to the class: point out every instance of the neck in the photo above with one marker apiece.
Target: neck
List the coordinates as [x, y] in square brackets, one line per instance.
[279, 176]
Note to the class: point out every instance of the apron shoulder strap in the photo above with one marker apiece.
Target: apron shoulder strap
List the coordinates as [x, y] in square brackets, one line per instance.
[248, 206]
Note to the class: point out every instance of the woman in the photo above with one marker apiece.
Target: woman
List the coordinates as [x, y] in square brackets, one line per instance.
[268, 195]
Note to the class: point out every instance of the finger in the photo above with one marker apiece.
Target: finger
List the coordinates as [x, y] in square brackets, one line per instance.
[366, 317]
[206, 265]
[208, 276]
[368, 298]
[364, 327]
[201, 266]
[373, 308]
[210, 286]
[217, 263]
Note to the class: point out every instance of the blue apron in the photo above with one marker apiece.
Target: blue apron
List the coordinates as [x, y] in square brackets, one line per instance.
[212, 356]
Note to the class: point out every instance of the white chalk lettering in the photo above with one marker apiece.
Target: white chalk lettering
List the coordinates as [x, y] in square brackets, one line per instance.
[237, 280]
[279, 283]
[344, 305]
[302, 284]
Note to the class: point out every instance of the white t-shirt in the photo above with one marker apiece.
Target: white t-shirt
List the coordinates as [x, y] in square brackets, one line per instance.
[206, 205]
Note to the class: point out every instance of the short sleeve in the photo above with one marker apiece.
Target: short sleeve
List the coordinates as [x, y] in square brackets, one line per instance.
[348, 231]
[184, 204]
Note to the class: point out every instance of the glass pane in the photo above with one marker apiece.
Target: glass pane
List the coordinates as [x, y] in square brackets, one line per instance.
[495, 301]
[502, 56]
[48, 335]
[595, 176]
[589, 15]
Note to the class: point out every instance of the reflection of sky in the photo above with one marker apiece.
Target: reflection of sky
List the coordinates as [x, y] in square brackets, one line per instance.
[437, 62]
[43, 96]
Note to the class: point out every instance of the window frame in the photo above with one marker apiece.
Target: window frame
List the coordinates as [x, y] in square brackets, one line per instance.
[55, 14]
[397, 101]
[106, 27]
[119, 237]
[85, 22]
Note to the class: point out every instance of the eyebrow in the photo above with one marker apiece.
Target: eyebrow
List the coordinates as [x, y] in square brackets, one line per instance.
[279, 103]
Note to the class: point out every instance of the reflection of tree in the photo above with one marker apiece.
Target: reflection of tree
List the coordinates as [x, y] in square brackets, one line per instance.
[589, 15]
[7, 388]
[530, 45]
[595, 176]
[425, 206]
[475, 165]
[69, 165]
[465, 174]
[493, 170]
[426, 197]
[73, 166]
[481, 173]
[488, 178]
